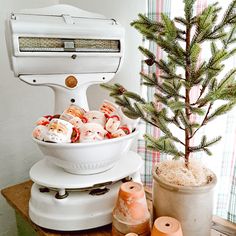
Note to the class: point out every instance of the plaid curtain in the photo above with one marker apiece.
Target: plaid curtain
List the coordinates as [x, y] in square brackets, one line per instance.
[223, 162]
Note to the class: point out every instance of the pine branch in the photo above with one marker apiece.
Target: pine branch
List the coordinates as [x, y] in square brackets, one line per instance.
[171, 77]
[161, 98]
[196, 110]
[164, 145]
[176, 105]
[228, 93]
[164, 67]
[181, 20]
[221, 110]
[227, 78]
[151, 80]
[178, 61]
[188, 9]
[213, 48]
[218, 57]
[169, 27]
[185, 121]
[134, 96]
[228, 18]
[203, 146]
[195, 52]
[146, 52]
[167, 88]
[217, 92]
[204, 23]
[138, 109]
[145, 22]
[172, 47]
[183, 49]
[161, 124]
[176, 121]
[170, 90]
[229, 11]
[204, 121]
[231, 53]
[197, 73]
[130, 113]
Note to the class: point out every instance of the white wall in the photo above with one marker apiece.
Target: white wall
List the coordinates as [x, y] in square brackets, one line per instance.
[21, 104]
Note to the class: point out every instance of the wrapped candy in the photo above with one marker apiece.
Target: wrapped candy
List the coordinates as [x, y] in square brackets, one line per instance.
[39, 132]
[90, 132]
[95, 117]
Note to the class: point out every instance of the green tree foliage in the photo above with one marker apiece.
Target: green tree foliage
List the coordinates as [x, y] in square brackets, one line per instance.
[182, 39]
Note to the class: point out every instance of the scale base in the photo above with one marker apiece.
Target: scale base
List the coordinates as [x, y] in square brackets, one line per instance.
[66, 202]
[77, 211]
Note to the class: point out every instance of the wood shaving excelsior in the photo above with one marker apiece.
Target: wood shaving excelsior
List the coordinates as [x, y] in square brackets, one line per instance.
[175, 172]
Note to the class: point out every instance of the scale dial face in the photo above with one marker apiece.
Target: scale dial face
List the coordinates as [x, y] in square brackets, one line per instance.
[47, 174]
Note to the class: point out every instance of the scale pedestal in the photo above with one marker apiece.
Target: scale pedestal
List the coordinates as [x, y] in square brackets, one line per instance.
[68, 49]
[64, 201]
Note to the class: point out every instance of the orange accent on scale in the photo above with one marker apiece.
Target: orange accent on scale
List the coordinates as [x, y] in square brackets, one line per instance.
[71, 81]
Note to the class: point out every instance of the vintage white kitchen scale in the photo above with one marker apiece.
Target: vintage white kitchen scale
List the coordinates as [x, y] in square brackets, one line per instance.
[68, 49]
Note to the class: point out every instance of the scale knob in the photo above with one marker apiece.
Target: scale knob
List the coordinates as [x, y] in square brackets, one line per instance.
[71, 81]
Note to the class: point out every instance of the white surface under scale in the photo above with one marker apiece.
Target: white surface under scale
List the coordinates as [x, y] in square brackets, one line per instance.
[47, 174]
[78, 211]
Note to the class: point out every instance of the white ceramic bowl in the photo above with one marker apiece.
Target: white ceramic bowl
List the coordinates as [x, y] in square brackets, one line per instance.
[87, 158]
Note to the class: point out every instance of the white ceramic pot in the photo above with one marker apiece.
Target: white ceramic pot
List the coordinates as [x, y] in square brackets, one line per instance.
[192, 206]
[87, 158]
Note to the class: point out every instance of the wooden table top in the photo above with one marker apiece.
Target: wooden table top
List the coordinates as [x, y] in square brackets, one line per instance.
[18, 197]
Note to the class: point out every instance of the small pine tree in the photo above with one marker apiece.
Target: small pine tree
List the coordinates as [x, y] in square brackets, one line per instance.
[182, 39]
